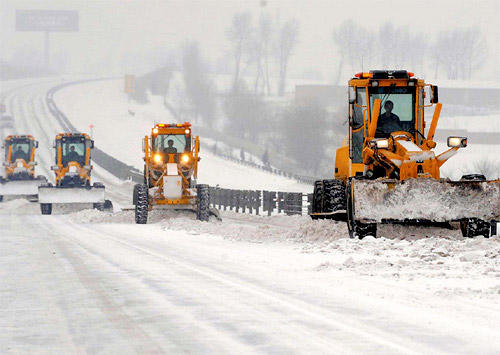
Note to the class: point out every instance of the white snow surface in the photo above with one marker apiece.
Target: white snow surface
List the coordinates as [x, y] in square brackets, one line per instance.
[96, 282]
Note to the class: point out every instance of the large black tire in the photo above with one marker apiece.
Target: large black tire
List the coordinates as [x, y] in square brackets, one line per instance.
[134, 195]
[474, 227]
[1, 198]
[203, 211]
[356, 228]
[142, 204]
[317, 201]
[108, 206]
[334, 195]
[328, 196]
[99, 206]
[46, 208]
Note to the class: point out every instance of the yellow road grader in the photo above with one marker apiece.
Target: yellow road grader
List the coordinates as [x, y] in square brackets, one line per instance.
[170, 173]
[386, 170]
[19, 165]
[72, 172]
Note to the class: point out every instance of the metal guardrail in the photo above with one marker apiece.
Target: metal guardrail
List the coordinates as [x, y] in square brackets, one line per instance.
[257, 201]
[104, 160]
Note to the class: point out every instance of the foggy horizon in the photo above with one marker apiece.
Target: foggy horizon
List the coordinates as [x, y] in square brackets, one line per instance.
[117, 37]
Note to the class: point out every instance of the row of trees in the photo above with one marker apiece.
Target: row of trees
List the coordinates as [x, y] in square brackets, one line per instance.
[258, 46]
[457, 52]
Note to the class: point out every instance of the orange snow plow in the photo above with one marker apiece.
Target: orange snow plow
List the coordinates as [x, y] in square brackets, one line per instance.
[171, 156]
[387, 172]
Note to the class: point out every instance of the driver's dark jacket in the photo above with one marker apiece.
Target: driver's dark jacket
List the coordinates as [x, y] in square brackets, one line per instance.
[19, 155]
[170, 150]
[74, 156]
[388, 123]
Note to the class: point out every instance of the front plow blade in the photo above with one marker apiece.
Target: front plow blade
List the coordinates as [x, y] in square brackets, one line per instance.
[21, 187]
[53, 194]
[425, 200]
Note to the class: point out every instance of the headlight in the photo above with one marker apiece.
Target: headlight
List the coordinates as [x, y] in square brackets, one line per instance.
[457, 142]
[187, 131]
[72, 169]
[157, 158]
[185, 158]
[381, 143]
[155, 130]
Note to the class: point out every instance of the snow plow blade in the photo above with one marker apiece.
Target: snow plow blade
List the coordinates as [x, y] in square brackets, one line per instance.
[21, 187]
[425, 200]
[53, 194]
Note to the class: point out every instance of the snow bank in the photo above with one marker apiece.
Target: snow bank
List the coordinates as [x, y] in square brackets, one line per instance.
[426, 199]
[438, 260]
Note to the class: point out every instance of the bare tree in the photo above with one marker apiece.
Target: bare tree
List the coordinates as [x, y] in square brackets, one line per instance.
[461, 52]
[199, 87]
[245, 113]
[354, 45]
[266, 27]
[475, 51]
[285, 43]
[304, 133]
[261, 48]
[239, 35]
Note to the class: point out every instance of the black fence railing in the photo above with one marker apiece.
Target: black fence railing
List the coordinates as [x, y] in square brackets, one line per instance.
[257, 201]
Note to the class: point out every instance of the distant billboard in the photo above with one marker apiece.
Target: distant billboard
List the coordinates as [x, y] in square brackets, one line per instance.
[46, 20]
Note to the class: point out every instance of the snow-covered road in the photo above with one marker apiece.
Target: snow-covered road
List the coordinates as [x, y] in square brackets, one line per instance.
[69, 287]
[92, 282]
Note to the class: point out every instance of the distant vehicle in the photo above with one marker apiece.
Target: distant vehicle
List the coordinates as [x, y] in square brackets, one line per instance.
[19, 164]
[170, 172]
[73, 171]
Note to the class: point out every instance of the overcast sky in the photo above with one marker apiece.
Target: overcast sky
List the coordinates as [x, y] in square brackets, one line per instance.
[108, 29]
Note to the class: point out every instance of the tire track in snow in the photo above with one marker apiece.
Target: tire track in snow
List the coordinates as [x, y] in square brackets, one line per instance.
[292, 306]
[139, 340]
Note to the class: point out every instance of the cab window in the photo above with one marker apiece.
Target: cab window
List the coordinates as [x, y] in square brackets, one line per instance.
[397, 109]
[21, 149]
[73, 149]
[171, 143]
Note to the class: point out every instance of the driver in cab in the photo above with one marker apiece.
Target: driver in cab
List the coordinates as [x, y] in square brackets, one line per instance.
[73, 155]
[19, 154]
[388, 122]
[170, 149]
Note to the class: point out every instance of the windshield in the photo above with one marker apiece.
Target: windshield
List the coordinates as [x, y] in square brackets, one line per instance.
[21, 149]
[73, 149]
[171, 143]
[397, 109]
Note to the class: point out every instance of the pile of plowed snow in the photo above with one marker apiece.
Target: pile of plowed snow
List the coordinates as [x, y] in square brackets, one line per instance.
[439, 260]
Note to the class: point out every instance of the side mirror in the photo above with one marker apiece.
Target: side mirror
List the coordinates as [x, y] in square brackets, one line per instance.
[352, 95]
[36, 144]
[143, 145]
[92, 144]
[434, 94]
[54, 144]
[457, 142]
